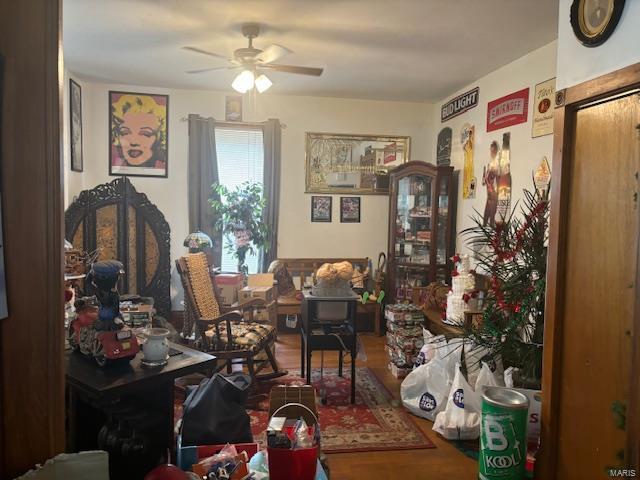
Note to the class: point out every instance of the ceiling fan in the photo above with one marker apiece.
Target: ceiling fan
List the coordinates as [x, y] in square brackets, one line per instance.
[253, 61]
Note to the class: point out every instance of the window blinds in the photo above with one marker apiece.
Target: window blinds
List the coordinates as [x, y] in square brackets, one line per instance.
[240, 151]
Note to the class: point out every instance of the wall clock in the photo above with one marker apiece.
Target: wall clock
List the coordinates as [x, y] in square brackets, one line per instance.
[594, 21]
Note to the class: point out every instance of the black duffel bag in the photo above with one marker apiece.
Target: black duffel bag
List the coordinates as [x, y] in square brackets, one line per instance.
[214, 412]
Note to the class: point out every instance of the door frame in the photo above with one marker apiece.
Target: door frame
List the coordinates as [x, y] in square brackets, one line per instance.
[568, 101]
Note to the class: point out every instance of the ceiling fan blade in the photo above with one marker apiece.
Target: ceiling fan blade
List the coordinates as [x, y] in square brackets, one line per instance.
[316, 72]
[272, 53]
[202, 70]
[204, 52]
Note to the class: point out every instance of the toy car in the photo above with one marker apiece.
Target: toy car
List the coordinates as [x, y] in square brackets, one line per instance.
[99, 331]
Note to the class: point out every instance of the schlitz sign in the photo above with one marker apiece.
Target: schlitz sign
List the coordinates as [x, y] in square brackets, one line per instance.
[460, 104]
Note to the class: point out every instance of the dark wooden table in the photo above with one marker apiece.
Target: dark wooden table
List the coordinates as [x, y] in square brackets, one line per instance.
[94, 393]
[314, 336]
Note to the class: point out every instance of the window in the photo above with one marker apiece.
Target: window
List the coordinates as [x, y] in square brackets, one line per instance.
[240, 152]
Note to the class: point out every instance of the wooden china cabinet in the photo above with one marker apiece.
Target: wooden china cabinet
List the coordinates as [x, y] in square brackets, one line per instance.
[422, 202]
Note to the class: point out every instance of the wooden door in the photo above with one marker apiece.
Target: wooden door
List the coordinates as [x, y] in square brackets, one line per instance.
[599, 284]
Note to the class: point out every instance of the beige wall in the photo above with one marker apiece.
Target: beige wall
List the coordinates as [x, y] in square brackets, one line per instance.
[298, 237]
[526, 152]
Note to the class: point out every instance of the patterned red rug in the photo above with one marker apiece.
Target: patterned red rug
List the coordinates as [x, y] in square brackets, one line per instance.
[370, 424]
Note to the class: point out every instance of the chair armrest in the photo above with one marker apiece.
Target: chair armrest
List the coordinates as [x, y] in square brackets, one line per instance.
[205, 323]
[232, 315]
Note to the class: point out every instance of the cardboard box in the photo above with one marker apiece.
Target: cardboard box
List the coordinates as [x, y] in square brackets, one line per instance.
[228, 285]
[259, 285]
[263, 293]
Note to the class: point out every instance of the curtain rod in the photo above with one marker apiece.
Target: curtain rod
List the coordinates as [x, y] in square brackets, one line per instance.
[230, 124]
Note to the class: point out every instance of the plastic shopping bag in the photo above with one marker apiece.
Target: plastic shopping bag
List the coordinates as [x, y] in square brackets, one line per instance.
[424, 391]
[475, 356]
[487, 378]
[461, 418]
[428, 350]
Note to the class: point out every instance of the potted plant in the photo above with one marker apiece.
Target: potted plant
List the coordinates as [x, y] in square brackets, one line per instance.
[239, 218]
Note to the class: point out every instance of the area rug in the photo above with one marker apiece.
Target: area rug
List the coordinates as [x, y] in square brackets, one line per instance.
[371, 424]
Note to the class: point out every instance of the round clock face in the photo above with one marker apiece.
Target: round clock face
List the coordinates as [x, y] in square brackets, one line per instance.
[594, 21]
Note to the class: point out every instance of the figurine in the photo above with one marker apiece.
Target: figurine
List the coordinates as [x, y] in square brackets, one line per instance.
[100, 332]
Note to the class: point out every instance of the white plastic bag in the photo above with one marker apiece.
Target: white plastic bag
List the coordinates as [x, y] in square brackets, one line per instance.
[475, 356]
[424, 391]
[428, 350]
[486, 378]
[461, 418]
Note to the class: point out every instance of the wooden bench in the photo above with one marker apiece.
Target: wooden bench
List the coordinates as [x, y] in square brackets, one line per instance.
[302, 270]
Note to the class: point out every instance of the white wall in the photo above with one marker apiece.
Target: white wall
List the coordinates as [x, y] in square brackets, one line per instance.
[298, 237]
[577, 63]
[526, 152]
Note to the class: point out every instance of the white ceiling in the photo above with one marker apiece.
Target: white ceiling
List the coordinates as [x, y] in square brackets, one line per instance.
[410, 50]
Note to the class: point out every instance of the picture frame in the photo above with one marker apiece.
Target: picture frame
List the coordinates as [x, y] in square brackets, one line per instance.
[138, 134]
[349, 209]
[233, 108]
[75, 126]
[351, 163]
[594, 22]
[321, 207]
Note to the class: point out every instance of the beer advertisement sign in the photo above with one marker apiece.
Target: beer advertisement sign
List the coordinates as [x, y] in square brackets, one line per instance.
[460, 104]
[509, 110]
[542, 123]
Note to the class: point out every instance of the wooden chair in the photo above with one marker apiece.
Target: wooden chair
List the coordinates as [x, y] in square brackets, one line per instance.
[224, 332]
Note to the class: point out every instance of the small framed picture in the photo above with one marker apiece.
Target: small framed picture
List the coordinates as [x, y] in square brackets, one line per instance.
[350, 209]
[75, 130]
[321, 208]
[233, 108]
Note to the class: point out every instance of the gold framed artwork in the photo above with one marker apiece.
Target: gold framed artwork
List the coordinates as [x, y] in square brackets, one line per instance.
[593, 21]
[233, 108]
[348, 163]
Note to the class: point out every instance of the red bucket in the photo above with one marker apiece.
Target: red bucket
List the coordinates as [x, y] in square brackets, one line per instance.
[287, 464]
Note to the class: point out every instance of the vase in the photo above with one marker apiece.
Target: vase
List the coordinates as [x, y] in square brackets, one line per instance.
[156, 348]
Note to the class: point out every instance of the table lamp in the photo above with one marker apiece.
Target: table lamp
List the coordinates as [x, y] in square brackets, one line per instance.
[197, 242]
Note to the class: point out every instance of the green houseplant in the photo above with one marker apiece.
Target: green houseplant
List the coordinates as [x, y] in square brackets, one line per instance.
[239, 219]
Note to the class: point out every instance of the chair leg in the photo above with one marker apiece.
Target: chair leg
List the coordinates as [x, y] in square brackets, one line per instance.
[340, 356]
[302, 356]
[251, 368]
[229, 367]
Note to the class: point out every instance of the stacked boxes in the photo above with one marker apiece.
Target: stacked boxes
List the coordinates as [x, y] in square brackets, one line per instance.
[404, 337]
[228, 285]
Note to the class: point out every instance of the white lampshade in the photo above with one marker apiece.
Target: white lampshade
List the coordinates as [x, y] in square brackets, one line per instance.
[263, 83]
[244, 81]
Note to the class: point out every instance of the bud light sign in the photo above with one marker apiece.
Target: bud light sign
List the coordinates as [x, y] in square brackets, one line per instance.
[460, 104]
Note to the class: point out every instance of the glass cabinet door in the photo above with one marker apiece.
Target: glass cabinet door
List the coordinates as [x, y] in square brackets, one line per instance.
[443, 220]
[413, 232]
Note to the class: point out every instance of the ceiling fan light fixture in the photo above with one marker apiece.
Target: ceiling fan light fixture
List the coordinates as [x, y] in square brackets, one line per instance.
[244, 81]
[263, 83]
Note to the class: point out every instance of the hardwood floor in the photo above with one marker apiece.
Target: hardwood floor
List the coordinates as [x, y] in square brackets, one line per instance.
[444, 462]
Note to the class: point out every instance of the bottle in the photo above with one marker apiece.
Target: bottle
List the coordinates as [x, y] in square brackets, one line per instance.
[504, 180]
[400, 292]
[408, 291]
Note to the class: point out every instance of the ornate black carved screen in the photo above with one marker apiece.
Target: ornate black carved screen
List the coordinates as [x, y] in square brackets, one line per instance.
[123, 224]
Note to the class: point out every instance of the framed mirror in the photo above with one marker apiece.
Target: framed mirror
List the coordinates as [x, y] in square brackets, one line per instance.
[353, 164]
